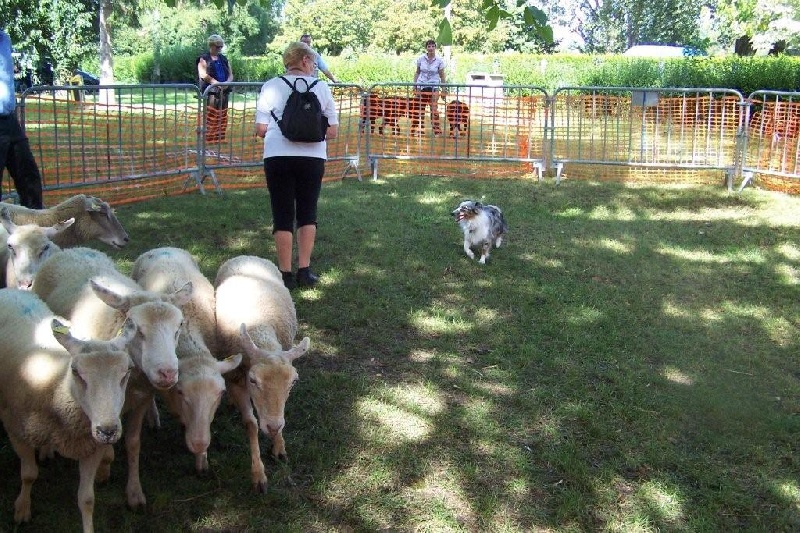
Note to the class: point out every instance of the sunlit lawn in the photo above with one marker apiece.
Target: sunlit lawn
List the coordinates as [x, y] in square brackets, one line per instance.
[628, 362]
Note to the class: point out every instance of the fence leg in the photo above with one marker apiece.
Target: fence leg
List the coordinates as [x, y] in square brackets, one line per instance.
[352, 164]
[539, 166]
[374, 164]
[559, 169]
[747, 177]
[198, 180]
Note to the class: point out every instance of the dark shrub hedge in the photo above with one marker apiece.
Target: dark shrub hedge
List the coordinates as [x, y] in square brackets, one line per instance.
[551, 71]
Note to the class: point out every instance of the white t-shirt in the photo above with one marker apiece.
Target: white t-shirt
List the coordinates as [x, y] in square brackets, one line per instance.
[429, 70]
[272, 97]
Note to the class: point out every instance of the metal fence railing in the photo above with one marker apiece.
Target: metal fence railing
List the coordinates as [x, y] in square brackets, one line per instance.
[459, 123]
[696, 129]
[129, 142]
[239, 149]
[111, 136]
[772, 138]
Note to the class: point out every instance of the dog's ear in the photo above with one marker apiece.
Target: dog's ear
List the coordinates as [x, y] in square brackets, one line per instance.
[478, 205]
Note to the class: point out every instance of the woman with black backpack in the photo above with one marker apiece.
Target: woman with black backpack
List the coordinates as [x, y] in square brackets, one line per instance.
[213, 68]
[295, 151]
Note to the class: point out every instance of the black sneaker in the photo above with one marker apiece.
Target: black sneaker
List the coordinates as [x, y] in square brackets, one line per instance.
[306, 278]
[288, 280]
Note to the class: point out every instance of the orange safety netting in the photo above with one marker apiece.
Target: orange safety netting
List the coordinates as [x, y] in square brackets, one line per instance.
[128, 152]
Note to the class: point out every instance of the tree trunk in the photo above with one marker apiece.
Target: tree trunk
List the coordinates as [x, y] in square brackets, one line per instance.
[106, 55]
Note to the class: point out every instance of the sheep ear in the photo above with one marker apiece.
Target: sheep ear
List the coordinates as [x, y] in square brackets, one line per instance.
[229, 363]
[63, 336]
[5, 218]
[57, 228]
[248, 345]
[182, 296]
[93, 204]
[125, 335]
[299, 349]
[118, 302]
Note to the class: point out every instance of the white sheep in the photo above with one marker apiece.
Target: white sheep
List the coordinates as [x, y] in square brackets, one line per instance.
[84, 285]
[94, 220]
[256, 316]
[66, 396]
[27, 246]
[197, 395]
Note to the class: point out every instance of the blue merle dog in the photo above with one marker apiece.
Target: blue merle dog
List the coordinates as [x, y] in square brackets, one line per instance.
[482, 224]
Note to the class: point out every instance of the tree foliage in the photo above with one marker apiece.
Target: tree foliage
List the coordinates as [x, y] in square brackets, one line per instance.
[764, 22]
[386, 25]
[608, 26]
[51, 30]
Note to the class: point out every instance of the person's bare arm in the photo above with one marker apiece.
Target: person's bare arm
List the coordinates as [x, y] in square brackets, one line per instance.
[202, 71]
[261, 130]
[329, 75]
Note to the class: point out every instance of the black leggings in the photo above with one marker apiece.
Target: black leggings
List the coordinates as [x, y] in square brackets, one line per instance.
[294, 184]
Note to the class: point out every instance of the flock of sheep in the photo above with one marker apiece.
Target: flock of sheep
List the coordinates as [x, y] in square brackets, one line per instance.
[83, 344]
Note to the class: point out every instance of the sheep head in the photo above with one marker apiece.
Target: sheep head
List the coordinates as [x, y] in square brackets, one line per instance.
[196, 398]
[270, 380]
[28, 247]
[98, 376]
[158, 321]
[104, 224]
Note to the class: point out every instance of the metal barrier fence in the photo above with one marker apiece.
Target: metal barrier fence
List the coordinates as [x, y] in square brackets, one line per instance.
[155, 140]
[146, 133]
[459, 123]
[673, 129]
[229, 145]
[772, 139]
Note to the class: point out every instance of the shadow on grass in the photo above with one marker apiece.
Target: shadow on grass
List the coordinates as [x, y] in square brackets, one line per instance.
[627, 360]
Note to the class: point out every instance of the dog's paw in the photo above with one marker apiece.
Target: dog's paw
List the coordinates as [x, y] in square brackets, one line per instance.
[482, 260]
[470, 254]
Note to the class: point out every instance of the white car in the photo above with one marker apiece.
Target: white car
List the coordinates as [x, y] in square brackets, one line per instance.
[657, 50]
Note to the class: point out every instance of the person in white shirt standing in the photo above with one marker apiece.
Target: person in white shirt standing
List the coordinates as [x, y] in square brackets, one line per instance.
[427, 80]
[294, 170]
[319, 63]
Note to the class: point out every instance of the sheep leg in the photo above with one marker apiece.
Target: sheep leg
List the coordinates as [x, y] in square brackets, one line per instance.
[201, 462]
[133, 446]
[29, 471]
[88, 468]
[279, 446]
[153, 416]
[104, 470]
[241, 398]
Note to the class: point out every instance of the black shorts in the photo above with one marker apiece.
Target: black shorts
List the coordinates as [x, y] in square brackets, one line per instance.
[294, 184]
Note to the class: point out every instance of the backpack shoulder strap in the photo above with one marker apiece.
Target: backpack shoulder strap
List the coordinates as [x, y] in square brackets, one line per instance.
[287, 82]
[312, 85]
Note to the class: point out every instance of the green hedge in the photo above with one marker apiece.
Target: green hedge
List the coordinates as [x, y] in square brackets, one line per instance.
[549, 71]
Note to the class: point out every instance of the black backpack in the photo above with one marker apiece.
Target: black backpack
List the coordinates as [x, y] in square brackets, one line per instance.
[302, 119]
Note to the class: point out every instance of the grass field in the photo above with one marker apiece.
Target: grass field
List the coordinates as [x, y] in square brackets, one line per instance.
[629, 361]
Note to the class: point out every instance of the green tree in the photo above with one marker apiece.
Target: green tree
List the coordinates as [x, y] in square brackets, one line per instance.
[405, 27]
[58, 31]
[765, 23]
[616, 25]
